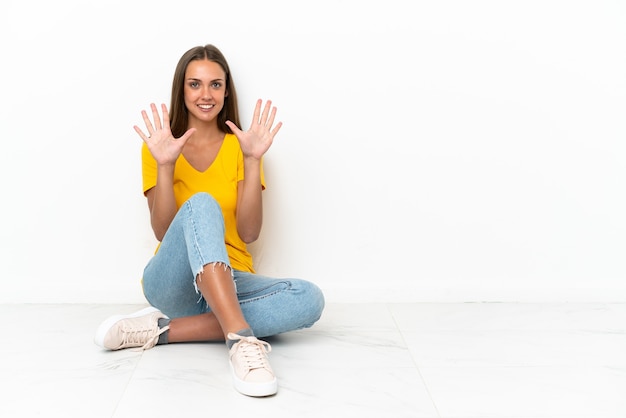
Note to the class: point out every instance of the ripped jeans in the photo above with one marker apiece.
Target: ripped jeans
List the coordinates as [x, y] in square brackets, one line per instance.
[194, 239]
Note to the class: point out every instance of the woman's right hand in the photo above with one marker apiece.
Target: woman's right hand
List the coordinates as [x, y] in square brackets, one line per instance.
[162, 145]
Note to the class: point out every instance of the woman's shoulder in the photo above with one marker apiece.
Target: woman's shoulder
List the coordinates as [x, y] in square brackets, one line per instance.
[231, 143]
[230, 138]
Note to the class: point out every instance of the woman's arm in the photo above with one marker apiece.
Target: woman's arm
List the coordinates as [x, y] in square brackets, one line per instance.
[161, 201]
[165, 149]
[254, 144]
[250, 202]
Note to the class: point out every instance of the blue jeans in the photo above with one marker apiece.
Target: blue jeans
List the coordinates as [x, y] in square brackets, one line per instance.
[194, 239]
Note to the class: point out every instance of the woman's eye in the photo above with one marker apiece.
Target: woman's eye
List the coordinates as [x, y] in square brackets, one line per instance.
[194, 84]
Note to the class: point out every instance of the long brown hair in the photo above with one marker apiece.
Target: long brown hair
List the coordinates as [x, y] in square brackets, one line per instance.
[179, 115]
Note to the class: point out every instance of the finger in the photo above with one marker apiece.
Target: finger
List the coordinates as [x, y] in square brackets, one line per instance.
[257, 113]
[187, 135]
[233, 128]
[155, 115]
[266, 111]
[166, 116]
[270, 121]
[276, 129]
[141, 134]
[147, 121]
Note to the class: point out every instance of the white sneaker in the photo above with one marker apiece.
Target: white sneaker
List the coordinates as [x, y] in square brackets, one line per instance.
[139, 329]
[252, 373]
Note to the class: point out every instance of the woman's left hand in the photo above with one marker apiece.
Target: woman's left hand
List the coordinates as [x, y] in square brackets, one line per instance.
[257, 140]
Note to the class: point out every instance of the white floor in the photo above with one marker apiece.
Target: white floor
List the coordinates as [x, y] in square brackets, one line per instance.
[385, 360]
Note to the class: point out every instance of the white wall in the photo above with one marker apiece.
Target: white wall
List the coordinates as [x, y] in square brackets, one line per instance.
[431, 151]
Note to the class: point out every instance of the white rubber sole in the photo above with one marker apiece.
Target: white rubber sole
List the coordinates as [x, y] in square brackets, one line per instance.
[254, 389]
[109, 322]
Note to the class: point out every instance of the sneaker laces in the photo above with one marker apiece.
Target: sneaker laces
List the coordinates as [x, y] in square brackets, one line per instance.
[139, 335]
[252, 351]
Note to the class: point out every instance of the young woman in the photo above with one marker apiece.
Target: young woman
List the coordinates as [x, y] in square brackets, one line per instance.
[203, 180]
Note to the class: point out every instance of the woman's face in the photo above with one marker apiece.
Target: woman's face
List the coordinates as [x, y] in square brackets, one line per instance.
[205, 90]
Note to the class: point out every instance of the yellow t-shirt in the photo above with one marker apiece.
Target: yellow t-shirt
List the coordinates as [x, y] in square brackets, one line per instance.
[220, 181]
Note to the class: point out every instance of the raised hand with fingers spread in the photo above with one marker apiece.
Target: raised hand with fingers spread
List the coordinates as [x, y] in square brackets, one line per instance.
[162, 145]
[259, 137]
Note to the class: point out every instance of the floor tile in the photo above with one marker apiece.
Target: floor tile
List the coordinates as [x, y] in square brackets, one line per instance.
[509, 316]
[516, 348]
[528, 392]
